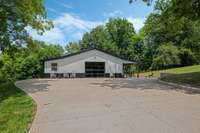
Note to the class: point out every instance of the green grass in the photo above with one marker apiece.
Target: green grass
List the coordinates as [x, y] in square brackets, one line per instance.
[192, 79]
[185, 75]
[17, 109]
[180, 70]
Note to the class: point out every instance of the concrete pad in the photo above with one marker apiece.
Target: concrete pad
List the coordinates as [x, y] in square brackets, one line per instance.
[112, 106]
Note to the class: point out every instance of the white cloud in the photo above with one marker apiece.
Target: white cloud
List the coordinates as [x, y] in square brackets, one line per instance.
[137, 22]
[67, 27]
[116, 13]
[65, 5]
[70, 27]
[51, 10]
[69, 21]
[55, 36]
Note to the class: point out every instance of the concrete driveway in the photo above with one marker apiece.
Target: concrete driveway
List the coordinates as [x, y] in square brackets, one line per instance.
[112, 106]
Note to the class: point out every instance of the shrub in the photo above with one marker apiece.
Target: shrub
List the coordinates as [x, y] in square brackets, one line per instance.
[187, 57]
[167, 55]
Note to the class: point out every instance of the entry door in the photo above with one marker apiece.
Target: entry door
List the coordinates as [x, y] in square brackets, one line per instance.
[95, 69]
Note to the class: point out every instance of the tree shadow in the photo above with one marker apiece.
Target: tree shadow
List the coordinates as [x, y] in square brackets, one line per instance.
[34, 85]
[188, 79]
[142, 84]
[8, 89]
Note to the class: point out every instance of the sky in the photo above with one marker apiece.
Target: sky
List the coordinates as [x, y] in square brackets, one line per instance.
[72, 18]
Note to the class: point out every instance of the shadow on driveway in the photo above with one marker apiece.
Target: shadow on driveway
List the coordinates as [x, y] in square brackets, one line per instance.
[141, 84]
[34, 85]
[42, 85]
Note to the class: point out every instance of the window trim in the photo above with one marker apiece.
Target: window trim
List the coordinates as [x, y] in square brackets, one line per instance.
[54, 67]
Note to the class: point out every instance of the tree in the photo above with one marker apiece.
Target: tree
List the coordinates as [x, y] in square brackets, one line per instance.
[164, 27]
[120, 31]
[96, 38]
[187, 57]
[19, 16]
[72, 47]
[181, 8]
[50, 51]
[27, 62]
[115, 37]
[167, 55]
[136, 50]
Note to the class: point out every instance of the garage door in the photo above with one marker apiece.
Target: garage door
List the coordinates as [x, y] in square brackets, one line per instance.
[95, 69]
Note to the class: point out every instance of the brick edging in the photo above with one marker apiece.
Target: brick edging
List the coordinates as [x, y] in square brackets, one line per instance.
[179, 85]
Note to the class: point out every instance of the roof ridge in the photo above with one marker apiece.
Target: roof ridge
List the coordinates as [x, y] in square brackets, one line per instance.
[83, 51]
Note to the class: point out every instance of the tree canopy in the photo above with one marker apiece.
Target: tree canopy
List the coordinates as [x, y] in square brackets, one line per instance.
[187, 8]
[163, 29]
[27, 62]
[115, 36]
[16, 17]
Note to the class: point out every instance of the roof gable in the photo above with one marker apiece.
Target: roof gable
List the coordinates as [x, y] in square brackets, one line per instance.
[87, 50]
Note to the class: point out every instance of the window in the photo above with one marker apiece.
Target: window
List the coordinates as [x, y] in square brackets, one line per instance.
[54, 67]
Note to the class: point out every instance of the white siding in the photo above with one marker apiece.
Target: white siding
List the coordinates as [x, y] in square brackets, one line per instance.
[76, 63]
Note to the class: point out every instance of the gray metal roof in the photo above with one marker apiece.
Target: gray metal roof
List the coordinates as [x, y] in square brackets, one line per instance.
[86, 50]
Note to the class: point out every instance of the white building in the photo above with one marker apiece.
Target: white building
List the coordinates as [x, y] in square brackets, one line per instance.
[86, 63]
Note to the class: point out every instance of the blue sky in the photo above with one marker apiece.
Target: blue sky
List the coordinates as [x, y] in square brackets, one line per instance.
[72, 18]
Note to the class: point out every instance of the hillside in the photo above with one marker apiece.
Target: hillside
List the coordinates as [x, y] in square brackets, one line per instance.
[186, 75]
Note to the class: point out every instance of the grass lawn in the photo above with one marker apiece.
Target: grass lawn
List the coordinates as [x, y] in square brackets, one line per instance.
[17, 109]
[181, 70]
[186, 75]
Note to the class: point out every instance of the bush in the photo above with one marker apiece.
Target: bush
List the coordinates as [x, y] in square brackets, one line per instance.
[3, 80]
[27, 62]
[130, 69]
[187, 57]
[167, 55]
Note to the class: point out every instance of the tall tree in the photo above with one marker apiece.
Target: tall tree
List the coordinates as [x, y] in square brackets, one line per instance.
[120, 31]
[27, 62]
[167, 55]
[114, 37]
[164, 27]
[96, 38]
[187, 8]
[17, 17]
[72, 47]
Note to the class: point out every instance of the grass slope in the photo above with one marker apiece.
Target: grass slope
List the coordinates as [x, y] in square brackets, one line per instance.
[17, 109]
[180, 70]
[186, 75]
